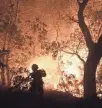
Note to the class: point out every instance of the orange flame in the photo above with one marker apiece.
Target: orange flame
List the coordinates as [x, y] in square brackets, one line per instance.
[54, 68]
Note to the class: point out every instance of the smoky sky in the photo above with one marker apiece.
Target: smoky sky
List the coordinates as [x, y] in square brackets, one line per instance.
[2, 5]
[46, 10]
[43, 7]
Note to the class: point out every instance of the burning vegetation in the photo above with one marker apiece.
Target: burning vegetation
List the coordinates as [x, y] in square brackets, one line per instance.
[61, 54]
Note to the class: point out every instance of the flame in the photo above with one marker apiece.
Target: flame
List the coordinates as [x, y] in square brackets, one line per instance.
[50, 66]
[55, 68]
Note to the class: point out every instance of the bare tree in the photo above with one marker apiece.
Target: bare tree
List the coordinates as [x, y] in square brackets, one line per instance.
[94, 54]
[9, 29]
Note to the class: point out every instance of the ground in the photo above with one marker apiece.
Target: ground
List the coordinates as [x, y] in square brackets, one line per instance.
[51, 99]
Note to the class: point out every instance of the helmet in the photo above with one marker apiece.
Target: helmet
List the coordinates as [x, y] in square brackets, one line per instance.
[34, 67]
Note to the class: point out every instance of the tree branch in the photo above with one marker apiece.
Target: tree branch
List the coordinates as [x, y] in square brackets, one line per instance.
[77, 47]
[73, 53]
[99, 30]
[72, 19]
[83, 25]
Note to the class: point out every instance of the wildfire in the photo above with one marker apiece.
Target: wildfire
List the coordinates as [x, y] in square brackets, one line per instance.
[50, 66]
[55, 69]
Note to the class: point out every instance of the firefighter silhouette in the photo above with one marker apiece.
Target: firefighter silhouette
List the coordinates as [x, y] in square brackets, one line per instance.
[37, 81]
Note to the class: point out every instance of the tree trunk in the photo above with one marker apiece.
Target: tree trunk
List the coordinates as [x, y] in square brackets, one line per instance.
[3, 71]
[93, 59]
[3, 75]
[8, 77]
[94, 55]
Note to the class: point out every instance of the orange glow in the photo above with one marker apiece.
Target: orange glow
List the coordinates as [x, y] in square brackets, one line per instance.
[50, 66]
[54, 69]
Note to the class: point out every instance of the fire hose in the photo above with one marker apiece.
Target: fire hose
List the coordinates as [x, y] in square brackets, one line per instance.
[16, 86]
[27, 78]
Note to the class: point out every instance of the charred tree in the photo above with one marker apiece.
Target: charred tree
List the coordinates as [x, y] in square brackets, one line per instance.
[3, 65]
[94, 54]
